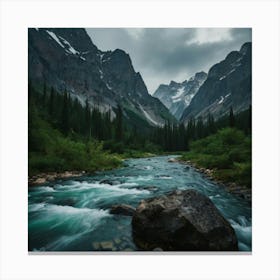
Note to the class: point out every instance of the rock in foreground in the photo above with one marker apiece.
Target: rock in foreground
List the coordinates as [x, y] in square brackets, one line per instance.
[182, 221]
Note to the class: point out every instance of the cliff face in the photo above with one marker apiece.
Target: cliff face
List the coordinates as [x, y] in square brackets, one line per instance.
[66, 58]
[228, 85]
[177, 96]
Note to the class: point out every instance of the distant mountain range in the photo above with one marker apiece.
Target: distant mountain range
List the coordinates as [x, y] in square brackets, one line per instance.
[66, 58]
[177, 96]
[228, 84]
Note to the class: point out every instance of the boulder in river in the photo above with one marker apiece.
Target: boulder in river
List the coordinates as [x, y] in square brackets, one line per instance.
[110, 182]
[149, 188]
[122, 209]
[182, 221]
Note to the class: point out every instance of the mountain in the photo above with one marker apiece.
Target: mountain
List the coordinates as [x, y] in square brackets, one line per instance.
[177, 96]
[228, 84]
[66, 58]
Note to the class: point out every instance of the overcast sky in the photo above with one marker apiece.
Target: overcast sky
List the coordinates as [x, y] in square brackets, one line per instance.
[162, 55]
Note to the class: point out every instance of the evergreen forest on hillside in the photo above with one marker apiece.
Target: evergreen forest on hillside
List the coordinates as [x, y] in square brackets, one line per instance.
[64, 135]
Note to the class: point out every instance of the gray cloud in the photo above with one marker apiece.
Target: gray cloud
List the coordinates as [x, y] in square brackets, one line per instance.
[162, 55]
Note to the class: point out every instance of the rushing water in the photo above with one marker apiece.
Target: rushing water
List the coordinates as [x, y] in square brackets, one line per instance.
[73, 215]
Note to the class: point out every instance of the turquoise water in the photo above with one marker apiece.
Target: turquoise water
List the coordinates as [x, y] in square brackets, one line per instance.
[73, 215]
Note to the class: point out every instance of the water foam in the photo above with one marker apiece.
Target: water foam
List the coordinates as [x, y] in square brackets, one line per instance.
[114, 189]
[45, 189]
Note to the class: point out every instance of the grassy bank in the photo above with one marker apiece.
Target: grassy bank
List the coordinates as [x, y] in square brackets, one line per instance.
[53, 152]
[227, 153]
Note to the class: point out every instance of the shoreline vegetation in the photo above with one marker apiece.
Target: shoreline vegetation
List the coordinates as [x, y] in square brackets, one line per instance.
[46, 177]
[233, 188]
[225, 158]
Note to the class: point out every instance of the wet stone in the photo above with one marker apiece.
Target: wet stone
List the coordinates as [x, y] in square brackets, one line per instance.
[128, 249]
[158, 249]
[117, 241]
[96, 245]
[106, 245]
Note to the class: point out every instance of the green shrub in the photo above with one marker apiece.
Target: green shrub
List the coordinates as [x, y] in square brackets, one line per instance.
[228, 152]
[49, 151]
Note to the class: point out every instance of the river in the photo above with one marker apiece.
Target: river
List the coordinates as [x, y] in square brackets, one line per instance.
[73, 215]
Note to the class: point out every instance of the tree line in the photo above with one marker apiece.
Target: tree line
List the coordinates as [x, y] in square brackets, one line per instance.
[85, 122]
[177, 137]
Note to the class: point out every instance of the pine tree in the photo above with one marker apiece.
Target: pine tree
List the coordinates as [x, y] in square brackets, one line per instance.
[51, 102]
[231, 118]
[119, 124]
[65, 125]
[199, 128]
[44, 93]
[249, 121]
[87, 120]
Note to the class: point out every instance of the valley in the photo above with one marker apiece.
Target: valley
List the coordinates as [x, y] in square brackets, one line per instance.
[98, 138]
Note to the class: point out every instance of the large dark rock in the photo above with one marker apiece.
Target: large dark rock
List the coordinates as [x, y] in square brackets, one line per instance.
[182, 221]
[122, 209]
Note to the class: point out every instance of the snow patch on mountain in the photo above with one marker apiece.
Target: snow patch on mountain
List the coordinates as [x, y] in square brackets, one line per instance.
[55, 38]
[221, 100]
[101, 74]
[64, 44]
[179, 94]
[188, 99]
[70, 48]
[148, 117]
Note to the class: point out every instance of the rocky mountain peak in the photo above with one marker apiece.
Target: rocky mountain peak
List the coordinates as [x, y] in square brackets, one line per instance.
[200, 76]
[246, 48]
[228, 85]
[67, 58]
[177, 96]
[174, 84]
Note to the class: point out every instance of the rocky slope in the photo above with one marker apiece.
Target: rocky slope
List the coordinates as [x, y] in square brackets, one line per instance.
[228, 84]
[67, 58]
[177, 96]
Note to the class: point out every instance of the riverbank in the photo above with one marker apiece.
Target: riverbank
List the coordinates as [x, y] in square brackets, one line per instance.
[239, 190]
[46, 177]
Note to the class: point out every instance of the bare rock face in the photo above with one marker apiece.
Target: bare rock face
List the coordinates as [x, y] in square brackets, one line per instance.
[182, 221]
[67, 59]
[228, 84]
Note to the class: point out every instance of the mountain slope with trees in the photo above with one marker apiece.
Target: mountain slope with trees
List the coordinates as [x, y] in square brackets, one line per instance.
[66, 59]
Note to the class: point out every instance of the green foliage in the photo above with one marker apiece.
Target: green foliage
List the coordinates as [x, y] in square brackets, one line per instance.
[228, 152]
[119, 124]
[50, 149]
[58, 153]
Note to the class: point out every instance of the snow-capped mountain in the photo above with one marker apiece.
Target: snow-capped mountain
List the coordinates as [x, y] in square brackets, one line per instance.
[177, 96]
[66, 58]
[228, 84]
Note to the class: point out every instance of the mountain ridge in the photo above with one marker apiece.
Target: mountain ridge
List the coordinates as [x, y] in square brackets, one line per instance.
[66, 58]
[228, 84]
[177, 96]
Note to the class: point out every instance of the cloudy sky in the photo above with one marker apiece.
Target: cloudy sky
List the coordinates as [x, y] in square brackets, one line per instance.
[162, 55]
